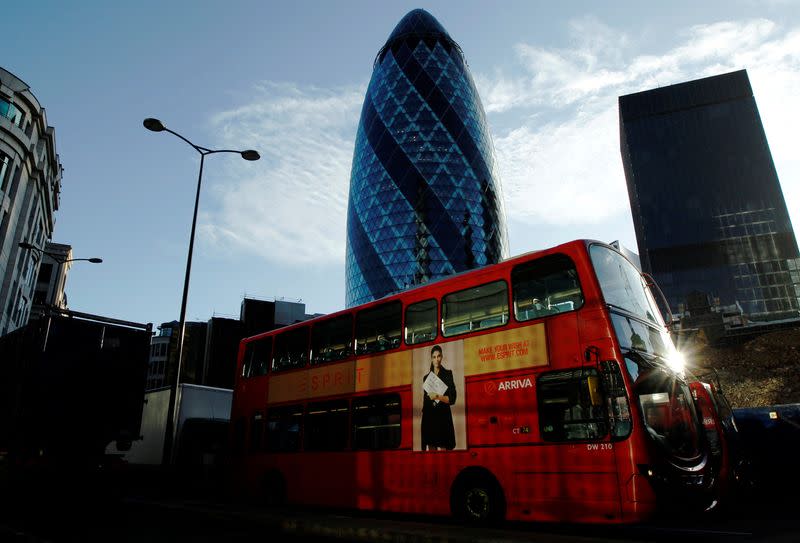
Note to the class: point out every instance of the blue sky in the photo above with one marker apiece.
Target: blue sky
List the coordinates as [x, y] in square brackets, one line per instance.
[288, 79]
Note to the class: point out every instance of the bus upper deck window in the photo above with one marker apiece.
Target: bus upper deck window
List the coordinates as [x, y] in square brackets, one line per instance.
[476, 308]
[291, 349]
[547, 286]
[378, 328]
[332, 339]
[421, 322]
[247, 363]
[260, 354]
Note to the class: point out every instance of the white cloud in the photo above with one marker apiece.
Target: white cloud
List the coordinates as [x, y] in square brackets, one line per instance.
[290, 206]
[563, 165]
[556, 135]
[543, 185]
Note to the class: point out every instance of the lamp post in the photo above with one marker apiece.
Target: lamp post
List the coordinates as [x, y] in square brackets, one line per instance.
[54, 256]
[155, 125]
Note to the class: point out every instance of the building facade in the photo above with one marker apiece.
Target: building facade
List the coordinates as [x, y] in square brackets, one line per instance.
[163, 360]
[222, 348]
[51, 279]
[30, 185]
[425, 201]
[162, 345]
[211, 348]
[710, 218]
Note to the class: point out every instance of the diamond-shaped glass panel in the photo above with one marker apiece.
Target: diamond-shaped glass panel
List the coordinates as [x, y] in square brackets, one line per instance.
[424, 200]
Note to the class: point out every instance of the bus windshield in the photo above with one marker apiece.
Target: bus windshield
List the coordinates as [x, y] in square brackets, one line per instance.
[664, 398]
[633, 310]
[623, 286]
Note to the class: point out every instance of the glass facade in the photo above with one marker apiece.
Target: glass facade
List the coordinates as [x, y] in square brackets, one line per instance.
[708, 210]
[424, 200]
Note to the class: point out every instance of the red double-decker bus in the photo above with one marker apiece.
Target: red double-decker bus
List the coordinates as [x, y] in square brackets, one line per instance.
[542, 388]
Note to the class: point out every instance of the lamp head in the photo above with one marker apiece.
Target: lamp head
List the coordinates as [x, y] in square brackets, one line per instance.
[96, 260]
[250, 155]
[154, 124]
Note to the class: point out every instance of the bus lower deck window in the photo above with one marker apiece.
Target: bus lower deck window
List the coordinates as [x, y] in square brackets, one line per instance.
[570, 406]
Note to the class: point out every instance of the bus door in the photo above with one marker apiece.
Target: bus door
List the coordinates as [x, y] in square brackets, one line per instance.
[327, 472]
[578, 464]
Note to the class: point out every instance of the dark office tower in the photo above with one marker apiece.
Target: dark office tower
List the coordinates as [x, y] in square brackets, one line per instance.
[709, 214]
[424, 198]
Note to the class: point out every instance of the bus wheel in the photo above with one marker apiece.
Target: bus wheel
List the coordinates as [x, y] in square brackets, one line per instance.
[273, 488]
[477, 498]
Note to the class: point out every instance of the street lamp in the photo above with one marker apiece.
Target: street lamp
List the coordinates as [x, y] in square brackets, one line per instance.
[56, 257]
[155, 125]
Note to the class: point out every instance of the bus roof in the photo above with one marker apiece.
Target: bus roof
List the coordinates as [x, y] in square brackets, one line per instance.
[511, 261]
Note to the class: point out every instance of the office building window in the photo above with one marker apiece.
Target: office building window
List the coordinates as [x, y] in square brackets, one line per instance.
[4, 171]
[45, 273]
[10, 112]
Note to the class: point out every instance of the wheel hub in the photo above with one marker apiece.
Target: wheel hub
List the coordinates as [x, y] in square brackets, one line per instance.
[477, 503]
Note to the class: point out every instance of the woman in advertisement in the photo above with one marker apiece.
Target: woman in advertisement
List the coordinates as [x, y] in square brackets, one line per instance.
[439, 393]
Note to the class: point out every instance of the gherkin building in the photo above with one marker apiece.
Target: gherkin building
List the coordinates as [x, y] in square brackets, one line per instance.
[425, 201]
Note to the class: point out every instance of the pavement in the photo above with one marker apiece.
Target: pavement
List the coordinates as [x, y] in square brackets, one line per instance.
[153, 508]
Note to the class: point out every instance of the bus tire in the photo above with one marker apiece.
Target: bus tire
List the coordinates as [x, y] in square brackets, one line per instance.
[477, 498]
[273, 488]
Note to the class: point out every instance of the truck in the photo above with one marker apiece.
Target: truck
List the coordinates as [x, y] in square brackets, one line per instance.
[71, 383]
[203, 414]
